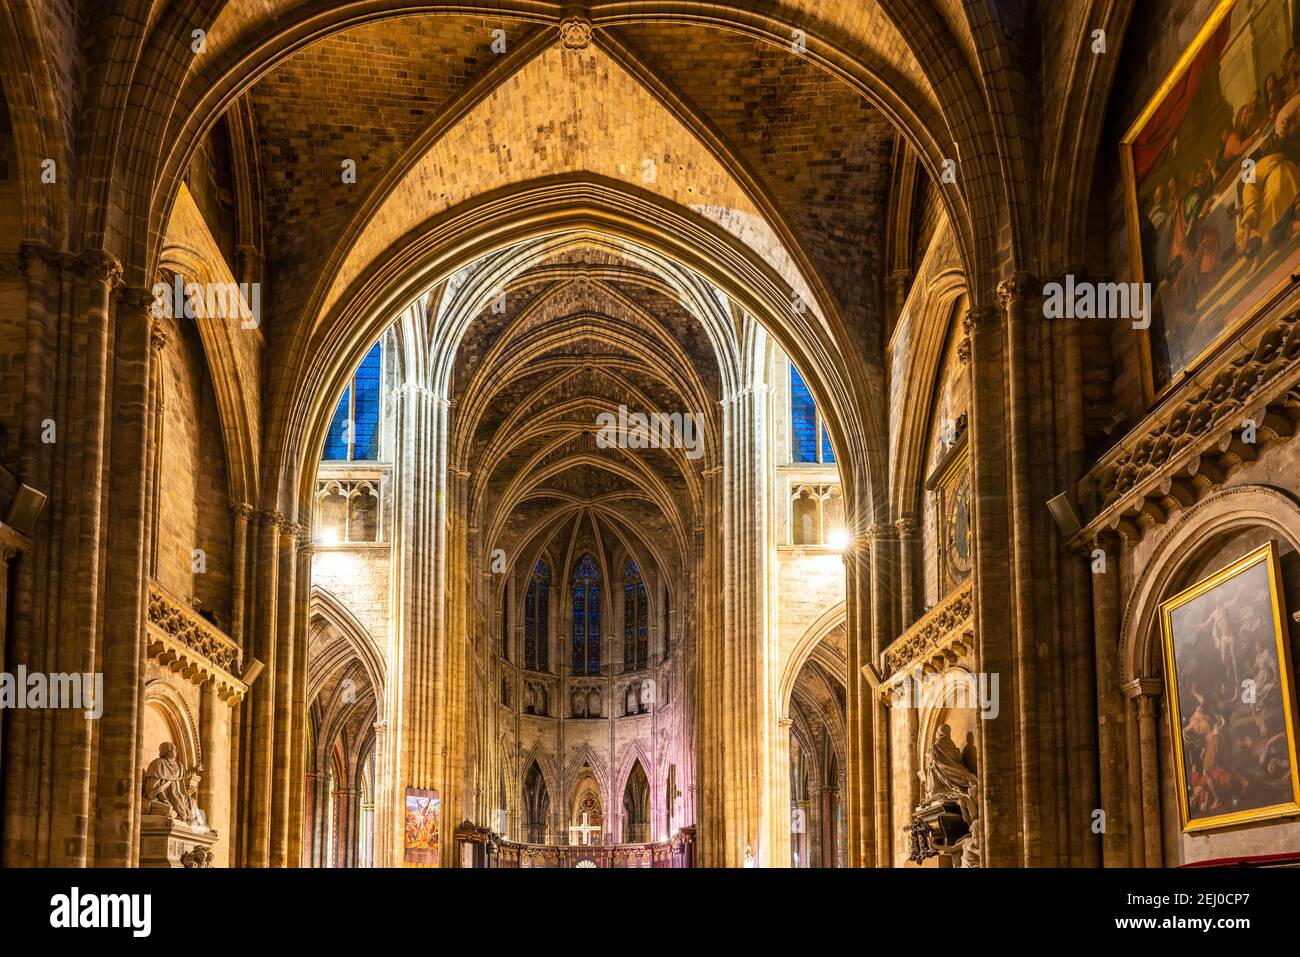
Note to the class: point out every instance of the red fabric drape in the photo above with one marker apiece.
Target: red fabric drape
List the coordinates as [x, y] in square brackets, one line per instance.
[1169, 116]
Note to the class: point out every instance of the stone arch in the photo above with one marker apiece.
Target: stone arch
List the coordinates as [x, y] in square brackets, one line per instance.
[554, 208]
[803, 650]
[896, 86]
[1222, 513]
[164, 700]
[356, 640]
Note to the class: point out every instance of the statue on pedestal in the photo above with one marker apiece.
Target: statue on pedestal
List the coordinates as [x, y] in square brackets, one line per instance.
[170, 788]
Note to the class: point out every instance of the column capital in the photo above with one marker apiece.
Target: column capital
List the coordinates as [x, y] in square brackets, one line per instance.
[1016, 289]
[979, 317]
[241, 510]
[1143, 688]
[96, 265]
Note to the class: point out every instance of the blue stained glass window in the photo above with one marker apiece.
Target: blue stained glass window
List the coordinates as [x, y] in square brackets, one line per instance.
[537, 609]
[360, 405]
[336, 439]
[366, 410]
[803, 420]
[828, 453]
[586, 617]
[636, 652]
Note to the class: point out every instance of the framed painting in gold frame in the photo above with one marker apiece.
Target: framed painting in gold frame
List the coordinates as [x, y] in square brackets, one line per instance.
[950, 483]
[1230, 695]
[1211, 185]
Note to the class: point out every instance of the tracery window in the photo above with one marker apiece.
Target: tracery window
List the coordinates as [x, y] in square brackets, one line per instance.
[636, 622]
[586, 617]
[537, 610]
[353, 434]
[809, 440]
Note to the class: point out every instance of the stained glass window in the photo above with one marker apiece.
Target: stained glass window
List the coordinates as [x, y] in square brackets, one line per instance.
[809, 440]
[336, 439]
[354, 431]
[586, 617]
[537, 608]
[365, 410]
[803, 420]
[636, 640]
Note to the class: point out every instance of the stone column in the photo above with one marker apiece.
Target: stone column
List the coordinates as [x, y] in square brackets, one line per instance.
[298, 732]
[32, 602]
[1145, 693]
[286, 614]
[859, 794]
[214, 730]
[240, 513]
[1003, 776]
[884, 582]
[1110, 703]
[905, 531]
[126, 594]
[261, 698]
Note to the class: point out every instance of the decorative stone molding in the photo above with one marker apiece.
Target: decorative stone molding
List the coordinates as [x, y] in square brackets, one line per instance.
[1190, 443]
[1016, 289]
[575, 33]
[939, 638]
[98, 266]
[192, 647]
[979, 317]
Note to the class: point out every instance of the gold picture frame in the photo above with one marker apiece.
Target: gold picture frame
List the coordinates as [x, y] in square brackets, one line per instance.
[1230, 713]
[1235, 294]
[950, 483]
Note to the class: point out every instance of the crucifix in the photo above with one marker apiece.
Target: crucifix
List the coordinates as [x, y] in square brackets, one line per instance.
[586, 830]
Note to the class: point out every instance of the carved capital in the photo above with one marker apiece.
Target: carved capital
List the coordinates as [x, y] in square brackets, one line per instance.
[38, 256]
[95, 265]
[963, 351]
[979, 317]
[1015, 290]
[241, 510]
[134, 299]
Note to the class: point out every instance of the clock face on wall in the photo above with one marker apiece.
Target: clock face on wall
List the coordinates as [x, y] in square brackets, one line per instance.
[956, 528]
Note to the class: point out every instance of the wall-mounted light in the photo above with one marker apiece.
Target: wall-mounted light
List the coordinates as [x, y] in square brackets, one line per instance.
[840, 539]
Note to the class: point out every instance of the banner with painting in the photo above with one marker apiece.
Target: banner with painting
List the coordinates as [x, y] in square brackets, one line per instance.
[423, 815]
[1231, 703]
[1212, 181]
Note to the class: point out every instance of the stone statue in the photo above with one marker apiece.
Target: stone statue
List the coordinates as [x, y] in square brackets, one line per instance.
[169, 787]
[946, 775]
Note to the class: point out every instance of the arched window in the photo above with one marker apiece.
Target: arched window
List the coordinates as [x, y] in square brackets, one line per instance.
[586, 617]
[354, 431]
[636, 807]
[636, 622]
[537, 805]
[537, 612]
[809, 441]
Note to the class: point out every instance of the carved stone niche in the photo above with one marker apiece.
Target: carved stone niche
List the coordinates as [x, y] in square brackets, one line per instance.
[167, 842]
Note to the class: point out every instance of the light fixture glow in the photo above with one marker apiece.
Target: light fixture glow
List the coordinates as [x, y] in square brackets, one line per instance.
[329, 536]
[840, 539]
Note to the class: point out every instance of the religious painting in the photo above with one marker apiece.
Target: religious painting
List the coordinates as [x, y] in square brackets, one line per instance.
[423, 814]
[1212, 183]
[1231, 704]
[952, 515]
